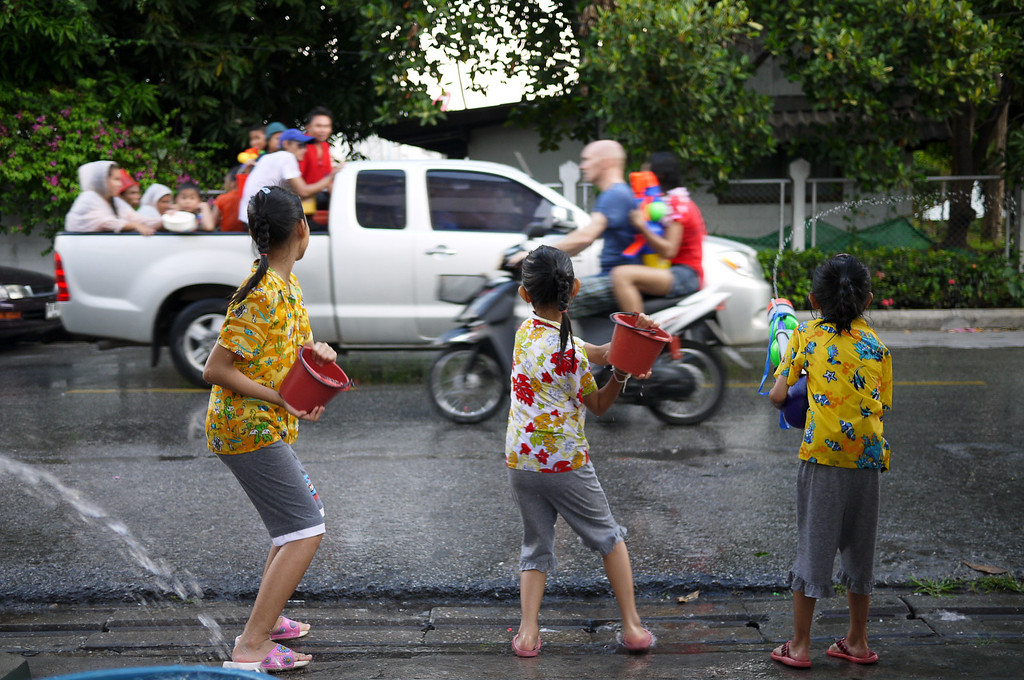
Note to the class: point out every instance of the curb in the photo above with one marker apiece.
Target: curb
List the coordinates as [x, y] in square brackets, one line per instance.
[939, 319]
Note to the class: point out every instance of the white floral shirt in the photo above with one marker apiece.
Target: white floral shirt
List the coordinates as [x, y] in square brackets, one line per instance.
[545, 423]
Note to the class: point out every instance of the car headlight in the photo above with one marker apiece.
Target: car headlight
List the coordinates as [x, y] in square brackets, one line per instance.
[742, 263]
[12, 291]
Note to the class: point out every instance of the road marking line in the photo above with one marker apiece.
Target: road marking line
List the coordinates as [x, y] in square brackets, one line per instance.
[186, 390]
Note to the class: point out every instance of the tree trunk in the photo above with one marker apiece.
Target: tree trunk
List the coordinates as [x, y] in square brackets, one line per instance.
[961, 214]
[995, 190]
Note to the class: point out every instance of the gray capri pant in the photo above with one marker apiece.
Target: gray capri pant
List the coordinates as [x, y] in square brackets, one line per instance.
[837, 510]
[279, 488]
[575, 495]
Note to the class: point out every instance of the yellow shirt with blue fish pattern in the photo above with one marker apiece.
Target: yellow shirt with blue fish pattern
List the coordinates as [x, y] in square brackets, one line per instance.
[849, 389]
[265, 332]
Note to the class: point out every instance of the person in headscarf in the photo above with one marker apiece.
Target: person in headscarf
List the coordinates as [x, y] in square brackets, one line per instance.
[98, 207]
[156, 201]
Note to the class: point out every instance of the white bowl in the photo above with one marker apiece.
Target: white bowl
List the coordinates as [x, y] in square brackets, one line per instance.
[179, 220]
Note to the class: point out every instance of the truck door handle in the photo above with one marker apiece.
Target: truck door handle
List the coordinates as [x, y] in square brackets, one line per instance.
[442, 250]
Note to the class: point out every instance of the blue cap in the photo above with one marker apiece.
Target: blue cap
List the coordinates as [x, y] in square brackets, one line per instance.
[294, 135]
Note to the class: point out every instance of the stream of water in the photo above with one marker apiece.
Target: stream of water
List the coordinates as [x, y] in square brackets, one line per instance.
[40, 482]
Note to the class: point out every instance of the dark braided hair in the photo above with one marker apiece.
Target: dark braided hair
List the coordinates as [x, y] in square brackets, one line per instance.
[548, 278]
[273, 213]
[842, 286]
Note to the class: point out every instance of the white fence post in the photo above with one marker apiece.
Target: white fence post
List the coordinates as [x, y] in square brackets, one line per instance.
[569, 176]
[799, 171]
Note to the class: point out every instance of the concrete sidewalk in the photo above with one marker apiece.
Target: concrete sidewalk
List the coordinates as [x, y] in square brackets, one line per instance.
[720, 635]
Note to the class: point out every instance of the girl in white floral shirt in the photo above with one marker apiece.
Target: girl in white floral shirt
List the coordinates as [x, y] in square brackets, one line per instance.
[551, 383]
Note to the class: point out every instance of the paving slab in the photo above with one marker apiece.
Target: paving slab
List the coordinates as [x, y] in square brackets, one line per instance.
[720, 635]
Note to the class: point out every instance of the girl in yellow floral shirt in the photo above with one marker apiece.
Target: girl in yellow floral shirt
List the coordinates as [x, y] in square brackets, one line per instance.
[843, 452]
[546, 451]
[250, 427]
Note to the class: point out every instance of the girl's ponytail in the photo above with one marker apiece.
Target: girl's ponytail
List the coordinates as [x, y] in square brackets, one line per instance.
[273, 213]
[564, 281]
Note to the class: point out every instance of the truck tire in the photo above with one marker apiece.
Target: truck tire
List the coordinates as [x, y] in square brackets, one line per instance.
[193, 335]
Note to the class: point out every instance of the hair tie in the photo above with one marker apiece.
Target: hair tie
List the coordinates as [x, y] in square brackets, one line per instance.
[263, 255]
[265, 191]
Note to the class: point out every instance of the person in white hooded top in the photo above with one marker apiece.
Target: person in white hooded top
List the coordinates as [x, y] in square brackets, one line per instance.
[98, 207]
[156, 201]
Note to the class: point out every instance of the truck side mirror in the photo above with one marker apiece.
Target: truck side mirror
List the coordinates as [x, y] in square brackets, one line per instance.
[561, 220]
[536, 230]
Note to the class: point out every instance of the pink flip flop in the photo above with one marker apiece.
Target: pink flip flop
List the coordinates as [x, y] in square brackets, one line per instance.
[280, 659]
[844, 653]
[525, 653]
[288, 630]
[636, 647]
[785, 658]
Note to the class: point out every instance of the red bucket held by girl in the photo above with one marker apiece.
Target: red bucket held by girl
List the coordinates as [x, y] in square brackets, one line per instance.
[634, 350]
[308, 384]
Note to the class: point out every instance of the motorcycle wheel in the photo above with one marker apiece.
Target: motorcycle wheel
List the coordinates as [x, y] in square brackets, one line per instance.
[466, 385]
[709, 376]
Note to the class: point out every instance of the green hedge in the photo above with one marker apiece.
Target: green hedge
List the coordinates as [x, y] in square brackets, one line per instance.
[909, 279]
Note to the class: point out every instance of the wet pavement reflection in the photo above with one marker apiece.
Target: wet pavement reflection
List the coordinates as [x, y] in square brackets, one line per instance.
[419, 506]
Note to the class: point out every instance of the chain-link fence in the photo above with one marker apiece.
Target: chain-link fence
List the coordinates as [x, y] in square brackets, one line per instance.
[937, 211]
[963, 211]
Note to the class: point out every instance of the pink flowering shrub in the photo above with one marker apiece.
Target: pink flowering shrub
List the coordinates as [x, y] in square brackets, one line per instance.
[45, 137]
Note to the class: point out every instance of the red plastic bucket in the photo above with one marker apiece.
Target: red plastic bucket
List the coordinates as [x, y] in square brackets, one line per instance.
[633, 349]
[308, 384]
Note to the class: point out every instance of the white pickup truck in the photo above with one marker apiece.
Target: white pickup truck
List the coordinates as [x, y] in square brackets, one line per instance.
[369, 281]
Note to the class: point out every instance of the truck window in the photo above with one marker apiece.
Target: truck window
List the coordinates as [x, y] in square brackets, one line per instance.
[380, 199]
[476, 201]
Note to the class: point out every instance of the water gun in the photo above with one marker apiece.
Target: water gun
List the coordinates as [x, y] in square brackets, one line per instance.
[781, 322]
[249, 154]
[647, 196]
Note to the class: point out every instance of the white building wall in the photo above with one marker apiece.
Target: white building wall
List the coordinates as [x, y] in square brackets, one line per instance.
[520, 149]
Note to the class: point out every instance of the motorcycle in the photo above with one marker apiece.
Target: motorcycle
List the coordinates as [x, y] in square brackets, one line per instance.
[470, 378]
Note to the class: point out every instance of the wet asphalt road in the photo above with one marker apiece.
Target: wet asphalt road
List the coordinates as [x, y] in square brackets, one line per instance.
[418, 506]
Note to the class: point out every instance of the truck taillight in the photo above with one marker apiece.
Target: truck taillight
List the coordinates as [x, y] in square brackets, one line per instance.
[62, 283]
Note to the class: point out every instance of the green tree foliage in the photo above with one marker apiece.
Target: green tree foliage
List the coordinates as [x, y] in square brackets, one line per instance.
[656, 75]
[653, 75]
[886, 66]
[671, 76]
[222, 64]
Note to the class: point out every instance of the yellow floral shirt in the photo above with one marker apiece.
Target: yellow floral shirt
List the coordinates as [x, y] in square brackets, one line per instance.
[545, 422]
[265, 332]
[849, 388]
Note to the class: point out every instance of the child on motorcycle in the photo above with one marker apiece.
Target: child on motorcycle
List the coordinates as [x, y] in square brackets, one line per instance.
[551, 385]
[681, 244]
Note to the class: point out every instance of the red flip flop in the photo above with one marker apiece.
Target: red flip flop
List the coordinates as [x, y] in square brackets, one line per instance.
[844, 653]
[785, 658]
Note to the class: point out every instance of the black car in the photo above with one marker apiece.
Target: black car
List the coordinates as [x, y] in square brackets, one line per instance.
[28, 305]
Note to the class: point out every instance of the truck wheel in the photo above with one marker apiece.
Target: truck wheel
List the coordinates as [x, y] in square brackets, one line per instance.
[466, 385]
[193, 335]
